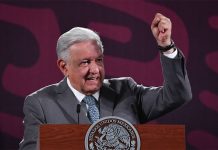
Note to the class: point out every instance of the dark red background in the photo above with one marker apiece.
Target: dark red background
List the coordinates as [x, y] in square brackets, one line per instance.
[28, 35]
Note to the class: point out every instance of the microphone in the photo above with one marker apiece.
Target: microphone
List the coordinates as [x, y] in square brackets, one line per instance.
[78, 112]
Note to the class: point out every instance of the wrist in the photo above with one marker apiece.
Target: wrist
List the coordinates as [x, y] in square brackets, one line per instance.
[164, 43]
[172, 50]
[170, 47]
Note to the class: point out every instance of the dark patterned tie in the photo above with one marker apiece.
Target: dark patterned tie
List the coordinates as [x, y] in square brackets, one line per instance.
[93, 112]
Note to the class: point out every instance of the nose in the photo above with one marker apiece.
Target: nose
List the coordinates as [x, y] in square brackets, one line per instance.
[94, 68]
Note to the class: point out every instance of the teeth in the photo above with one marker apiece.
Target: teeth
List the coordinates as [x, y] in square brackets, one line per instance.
[92, 78]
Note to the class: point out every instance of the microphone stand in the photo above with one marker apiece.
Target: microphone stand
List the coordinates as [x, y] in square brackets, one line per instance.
[78, 112]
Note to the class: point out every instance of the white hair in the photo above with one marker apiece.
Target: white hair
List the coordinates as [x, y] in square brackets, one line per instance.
[75, 35]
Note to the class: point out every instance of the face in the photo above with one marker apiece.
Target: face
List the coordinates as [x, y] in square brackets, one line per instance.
[84, 67]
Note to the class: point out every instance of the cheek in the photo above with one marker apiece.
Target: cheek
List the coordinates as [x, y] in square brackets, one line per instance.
[75, 73]
[82, 72]
[102, 71]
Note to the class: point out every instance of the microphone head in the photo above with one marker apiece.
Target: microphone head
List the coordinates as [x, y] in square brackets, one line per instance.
[78, 108]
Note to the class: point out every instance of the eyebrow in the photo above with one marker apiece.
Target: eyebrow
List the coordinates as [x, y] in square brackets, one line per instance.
[100, 56]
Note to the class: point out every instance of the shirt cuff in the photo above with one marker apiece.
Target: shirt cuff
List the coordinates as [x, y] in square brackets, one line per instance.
[172, 55]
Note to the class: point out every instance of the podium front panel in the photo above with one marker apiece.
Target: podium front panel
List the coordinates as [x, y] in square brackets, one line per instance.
[72, 137]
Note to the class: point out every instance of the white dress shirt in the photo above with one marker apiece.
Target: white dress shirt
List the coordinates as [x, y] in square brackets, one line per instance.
[172, 55]
[80, 95]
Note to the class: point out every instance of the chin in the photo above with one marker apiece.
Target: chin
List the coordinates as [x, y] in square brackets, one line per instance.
[92, 90]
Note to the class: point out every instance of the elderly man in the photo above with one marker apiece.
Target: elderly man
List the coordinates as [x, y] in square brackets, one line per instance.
[80, 59]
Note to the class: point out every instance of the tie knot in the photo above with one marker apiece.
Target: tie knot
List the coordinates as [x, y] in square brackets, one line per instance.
[89, 100]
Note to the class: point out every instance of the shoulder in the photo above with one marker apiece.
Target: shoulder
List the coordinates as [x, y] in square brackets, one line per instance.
[119, 83]
[49, 91]
[118, 80]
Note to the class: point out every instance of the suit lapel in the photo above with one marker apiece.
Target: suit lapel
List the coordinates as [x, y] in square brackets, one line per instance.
[107, 99]
[68, 104]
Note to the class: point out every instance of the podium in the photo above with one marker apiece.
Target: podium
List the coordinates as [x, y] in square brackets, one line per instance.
[72, 137]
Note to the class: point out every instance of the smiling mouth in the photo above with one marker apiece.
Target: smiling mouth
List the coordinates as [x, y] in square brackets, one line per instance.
[92, 78]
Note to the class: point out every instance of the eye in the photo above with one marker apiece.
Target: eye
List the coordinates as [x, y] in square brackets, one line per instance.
[85, 63]
[99, 60]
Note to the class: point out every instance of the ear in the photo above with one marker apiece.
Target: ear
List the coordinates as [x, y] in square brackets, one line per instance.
[62, 66]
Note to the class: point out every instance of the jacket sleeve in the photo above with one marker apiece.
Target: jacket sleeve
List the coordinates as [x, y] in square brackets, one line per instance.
[153, 102]
[33, 117]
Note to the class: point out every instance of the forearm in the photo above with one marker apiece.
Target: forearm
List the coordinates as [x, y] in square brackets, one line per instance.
[157, 101]
[176, 81]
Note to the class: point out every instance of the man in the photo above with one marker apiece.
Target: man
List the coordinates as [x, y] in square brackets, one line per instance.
[80, 58]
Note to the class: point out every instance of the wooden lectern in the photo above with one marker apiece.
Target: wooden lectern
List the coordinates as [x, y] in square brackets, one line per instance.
[72, 137]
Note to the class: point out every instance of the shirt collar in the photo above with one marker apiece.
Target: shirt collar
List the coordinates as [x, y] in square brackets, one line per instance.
[80, 95]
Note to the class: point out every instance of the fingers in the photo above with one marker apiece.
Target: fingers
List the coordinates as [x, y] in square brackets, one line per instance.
[161, 27]
[155, 22]
[161, 22]
[164, 25]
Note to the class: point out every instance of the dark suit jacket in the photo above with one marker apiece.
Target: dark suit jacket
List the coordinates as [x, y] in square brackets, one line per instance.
[56, 104]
